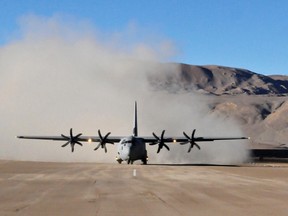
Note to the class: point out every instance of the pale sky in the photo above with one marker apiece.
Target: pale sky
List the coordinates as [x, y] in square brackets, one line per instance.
[250, 34]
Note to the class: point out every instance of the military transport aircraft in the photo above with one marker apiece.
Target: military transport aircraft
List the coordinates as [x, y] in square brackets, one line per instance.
[131, 148]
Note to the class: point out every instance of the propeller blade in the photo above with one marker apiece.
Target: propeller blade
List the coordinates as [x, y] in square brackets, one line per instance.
[66, 137]
[166, 147]
[106, 136]
[162, 135]
[193, 133]
[78, 135]
[186, 135]
[72, 140]
[155, 136]
[79, 143]
[105, 148]
[190, 140]
[65, 144]
[190, 148]
[159, 141]
[103, 141]
[99, 133]
[97, 147]
[159, 148]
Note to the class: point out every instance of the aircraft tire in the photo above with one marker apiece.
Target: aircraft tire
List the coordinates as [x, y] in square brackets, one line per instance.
[144, 160]
[119, 160]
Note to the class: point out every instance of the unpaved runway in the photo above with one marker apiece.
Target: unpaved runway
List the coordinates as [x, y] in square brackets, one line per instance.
[32, 188]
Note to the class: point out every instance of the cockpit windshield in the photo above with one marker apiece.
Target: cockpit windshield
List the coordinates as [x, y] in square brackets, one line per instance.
[126, 140]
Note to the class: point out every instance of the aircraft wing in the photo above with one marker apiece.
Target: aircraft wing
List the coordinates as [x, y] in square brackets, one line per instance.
[155, 140]
[77, 139]
[160, 141]
[208, 139]
[80, 139]
[196, 139]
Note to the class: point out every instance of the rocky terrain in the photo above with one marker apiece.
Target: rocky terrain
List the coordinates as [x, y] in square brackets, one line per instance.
[258, 102]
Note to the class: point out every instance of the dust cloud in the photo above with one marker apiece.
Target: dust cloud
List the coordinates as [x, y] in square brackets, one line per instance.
[61, 74]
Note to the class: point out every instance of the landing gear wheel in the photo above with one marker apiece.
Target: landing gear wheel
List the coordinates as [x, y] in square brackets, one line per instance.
[145, 159]
[130, 161]
[119, 160]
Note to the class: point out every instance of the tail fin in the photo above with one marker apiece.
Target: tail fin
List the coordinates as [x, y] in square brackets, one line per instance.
[135, 129]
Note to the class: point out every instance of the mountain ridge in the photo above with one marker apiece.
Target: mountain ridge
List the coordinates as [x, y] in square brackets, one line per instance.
[259, 103]
[219, 80]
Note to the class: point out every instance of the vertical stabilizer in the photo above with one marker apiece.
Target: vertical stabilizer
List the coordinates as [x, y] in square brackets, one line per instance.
[135, 129]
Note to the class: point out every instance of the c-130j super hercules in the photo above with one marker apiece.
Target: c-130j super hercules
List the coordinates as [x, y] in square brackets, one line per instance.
[131, 148]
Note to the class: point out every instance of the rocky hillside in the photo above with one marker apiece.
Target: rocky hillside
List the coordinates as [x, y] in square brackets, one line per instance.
[263, 118]
[219, 80]
[258, 102]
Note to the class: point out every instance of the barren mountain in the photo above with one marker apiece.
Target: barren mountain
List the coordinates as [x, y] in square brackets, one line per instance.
[219, 80]
[258, 102]
[263, 118]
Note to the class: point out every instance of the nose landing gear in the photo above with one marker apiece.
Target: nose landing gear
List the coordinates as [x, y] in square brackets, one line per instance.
[130, 161]
[119, 160]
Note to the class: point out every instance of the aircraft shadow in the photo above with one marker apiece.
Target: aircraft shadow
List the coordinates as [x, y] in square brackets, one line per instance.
[218, 165]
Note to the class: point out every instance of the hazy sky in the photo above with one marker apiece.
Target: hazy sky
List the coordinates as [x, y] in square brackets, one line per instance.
[250, 34]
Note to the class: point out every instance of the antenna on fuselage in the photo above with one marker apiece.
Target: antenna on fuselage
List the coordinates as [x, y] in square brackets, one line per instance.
[135, 129]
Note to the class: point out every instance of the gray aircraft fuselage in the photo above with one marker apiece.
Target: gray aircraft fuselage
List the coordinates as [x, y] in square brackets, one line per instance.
[130, 149]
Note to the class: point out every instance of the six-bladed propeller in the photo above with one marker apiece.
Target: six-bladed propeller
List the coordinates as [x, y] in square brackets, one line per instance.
[72, 140]
[160, 142]
[103, 141]
[190, 140]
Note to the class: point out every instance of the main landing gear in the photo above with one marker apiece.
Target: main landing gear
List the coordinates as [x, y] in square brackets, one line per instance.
[130, 161]
[144, 161]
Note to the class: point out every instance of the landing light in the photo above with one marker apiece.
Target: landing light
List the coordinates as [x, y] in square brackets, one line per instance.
[89, 140]
[174, 141]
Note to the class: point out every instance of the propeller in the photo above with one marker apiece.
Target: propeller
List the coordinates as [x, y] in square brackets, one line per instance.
[190, 140]
[160, 142]
[72, 140]
[103, 141]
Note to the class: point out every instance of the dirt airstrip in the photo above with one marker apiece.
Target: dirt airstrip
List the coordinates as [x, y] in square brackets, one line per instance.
[38, 188]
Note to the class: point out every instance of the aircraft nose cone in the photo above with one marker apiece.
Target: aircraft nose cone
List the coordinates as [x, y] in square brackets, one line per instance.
[125, 153]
